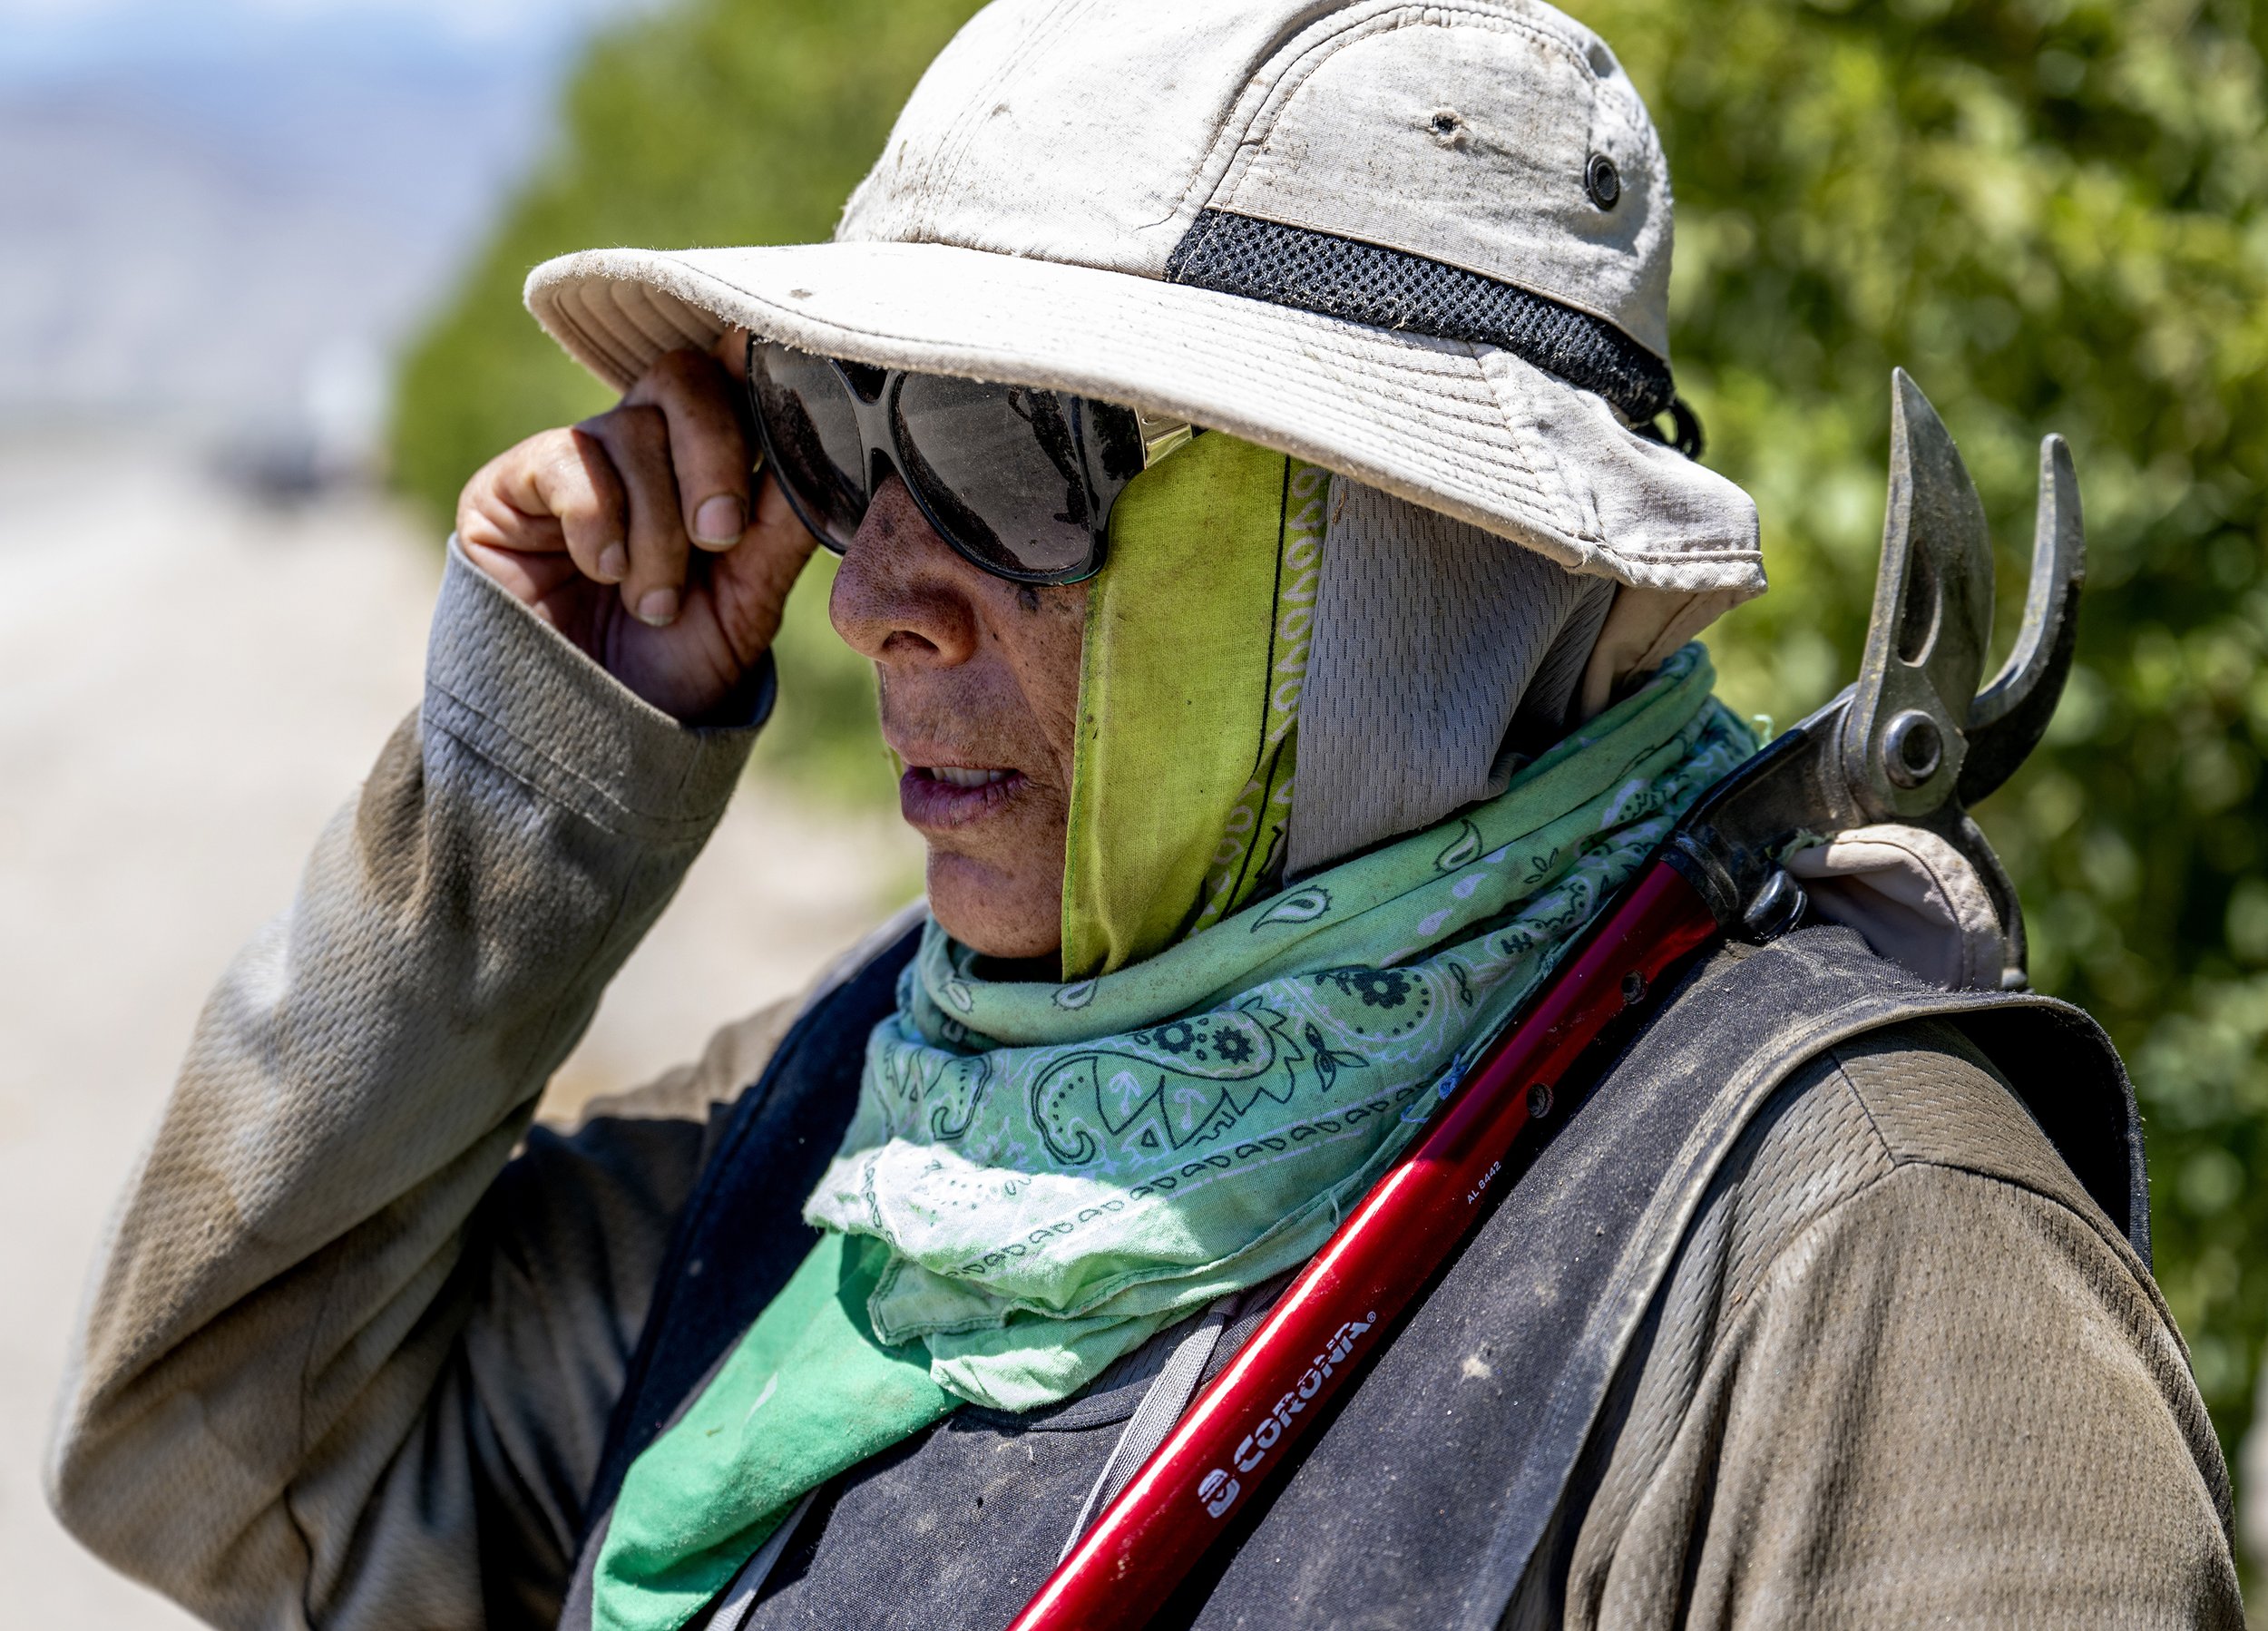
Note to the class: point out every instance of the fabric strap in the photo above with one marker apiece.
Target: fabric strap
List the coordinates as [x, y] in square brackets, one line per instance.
[1163, 1401]
[734, 1608]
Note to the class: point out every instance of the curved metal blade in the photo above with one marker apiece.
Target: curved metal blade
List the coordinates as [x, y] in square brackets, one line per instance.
[1905, 737]
[2008, 719]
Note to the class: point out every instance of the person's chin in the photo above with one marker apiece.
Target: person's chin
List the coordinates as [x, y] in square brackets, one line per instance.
[1009, 912]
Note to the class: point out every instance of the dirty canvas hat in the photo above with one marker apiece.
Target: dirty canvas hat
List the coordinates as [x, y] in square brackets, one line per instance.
[1425, 246]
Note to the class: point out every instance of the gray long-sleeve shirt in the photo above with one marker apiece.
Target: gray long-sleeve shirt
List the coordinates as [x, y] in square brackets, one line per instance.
[350, 1360]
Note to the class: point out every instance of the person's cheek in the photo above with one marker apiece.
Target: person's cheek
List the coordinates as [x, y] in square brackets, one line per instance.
[1055, 637]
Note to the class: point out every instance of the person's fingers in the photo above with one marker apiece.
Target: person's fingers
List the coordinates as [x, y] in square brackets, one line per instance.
[636, 439]
[730, 349]
[574, 479]
[486, 520]
[707, 448]
[555, 491]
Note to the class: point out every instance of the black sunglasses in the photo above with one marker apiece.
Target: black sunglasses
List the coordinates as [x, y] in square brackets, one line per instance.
[1017, 479]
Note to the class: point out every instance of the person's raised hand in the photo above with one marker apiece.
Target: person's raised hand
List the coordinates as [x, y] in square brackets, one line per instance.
[635, 534]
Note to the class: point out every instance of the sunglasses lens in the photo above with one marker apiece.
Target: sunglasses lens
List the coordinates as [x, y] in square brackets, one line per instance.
[811, 432]
[1001, 466]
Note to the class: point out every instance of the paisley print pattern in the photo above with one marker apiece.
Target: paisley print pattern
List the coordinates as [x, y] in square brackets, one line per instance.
[1070, 1167]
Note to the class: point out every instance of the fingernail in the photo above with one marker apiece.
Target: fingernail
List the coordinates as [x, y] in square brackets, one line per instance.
[614, 563]
[660, 608]
[719, 520]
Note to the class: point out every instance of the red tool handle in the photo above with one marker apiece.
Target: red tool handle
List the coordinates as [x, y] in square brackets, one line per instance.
[1331, 1320]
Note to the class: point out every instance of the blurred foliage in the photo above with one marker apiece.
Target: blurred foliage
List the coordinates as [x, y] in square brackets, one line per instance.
[2049, 212]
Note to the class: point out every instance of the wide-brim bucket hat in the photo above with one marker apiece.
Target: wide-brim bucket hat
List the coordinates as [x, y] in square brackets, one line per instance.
[1425, 246]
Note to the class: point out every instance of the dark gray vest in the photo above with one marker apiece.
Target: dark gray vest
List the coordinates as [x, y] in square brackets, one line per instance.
[1402, 1511]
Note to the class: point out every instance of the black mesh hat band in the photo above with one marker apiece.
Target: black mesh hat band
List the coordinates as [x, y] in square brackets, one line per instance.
[1389, 288]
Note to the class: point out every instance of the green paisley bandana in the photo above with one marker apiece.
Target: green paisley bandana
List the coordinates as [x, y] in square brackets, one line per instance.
[1060, 1171]
[1045, 1174]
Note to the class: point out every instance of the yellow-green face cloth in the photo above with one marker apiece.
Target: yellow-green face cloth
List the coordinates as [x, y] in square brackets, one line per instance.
[1197, 632]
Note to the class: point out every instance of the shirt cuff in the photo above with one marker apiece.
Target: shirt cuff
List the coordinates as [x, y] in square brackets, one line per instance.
[521, 695]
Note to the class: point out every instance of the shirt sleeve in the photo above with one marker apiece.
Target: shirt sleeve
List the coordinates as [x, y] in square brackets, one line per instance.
[347, 1358]
[1887, 1388]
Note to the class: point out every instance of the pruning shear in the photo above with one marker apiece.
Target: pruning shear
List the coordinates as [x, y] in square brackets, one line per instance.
[1912, 742]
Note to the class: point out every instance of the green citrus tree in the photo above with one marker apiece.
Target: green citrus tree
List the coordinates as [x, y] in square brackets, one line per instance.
[2050, 211]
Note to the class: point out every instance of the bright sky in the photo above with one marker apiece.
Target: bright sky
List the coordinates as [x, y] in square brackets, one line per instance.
[204, 200]
[48, 38]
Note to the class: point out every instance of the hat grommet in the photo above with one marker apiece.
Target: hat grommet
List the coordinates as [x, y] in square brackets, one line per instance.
[1602, 181]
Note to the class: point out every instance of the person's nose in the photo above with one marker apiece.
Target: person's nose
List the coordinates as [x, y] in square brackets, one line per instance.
[902, 595]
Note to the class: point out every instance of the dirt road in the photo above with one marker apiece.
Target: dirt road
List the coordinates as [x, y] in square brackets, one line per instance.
[189, 684]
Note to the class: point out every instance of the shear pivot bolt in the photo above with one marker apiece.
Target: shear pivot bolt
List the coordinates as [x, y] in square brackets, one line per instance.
[1912, 748]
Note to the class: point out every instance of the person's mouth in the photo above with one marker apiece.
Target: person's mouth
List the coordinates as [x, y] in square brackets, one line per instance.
[951, 795]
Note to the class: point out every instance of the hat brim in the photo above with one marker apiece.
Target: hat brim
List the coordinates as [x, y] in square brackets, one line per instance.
[1467, 429]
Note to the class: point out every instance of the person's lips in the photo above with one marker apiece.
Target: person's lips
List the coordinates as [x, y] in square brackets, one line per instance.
[951, 795]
